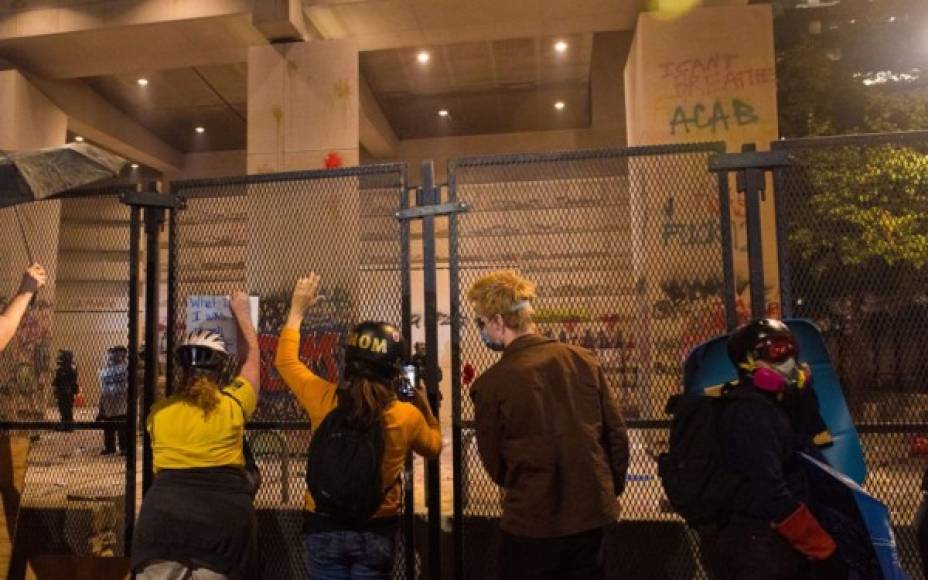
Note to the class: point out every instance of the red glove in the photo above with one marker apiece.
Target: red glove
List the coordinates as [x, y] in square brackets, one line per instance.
[805, 534]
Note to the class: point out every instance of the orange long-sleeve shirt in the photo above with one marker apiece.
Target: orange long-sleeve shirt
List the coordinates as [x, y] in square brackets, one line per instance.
[405, 427]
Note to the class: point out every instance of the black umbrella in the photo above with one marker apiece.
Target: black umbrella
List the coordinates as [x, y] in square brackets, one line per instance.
[36, 175]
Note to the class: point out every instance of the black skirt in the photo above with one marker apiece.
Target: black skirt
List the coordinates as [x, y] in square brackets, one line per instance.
[201, 517]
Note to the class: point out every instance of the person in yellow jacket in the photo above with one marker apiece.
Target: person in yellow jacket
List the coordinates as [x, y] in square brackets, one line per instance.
[351, 521]
[198, 519]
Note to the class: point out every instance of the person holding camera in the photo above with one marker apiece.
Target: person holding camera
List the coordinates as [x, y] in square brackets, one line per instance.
[34, 278]
[550, 433]
[362, 433]
[198, 519]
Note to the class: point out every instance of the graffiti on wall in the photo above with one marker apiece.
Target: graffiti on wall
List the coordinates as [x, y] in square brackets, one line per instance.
[710, 92]
[717, 73]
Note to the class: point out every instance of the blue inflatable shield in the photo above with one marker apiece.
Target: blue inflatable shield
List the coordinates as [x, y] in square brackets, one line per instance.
[873, 547]
[708, 365]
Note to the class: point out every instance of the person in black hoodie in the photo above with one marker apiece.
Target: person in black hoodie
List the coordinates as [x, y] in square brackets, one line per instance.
[65, 384]
[771, 534]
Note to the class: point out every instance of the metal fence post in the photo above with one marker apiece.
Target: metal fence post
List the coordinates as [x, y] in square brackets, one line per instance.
[429, 196]
[131, 403]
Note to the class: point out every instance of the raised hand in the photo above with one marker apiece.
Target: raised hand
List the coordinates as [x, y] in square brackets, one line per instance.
[305, 295]
[34, 277]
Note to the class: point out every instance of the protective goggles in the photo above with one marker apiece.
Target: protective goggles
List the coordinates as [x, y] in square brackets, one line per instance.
[200, 357]
[776, 349]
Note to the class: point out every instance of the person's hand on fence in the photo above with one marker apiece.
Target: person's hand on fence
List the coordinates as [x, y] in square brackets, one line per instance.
[34, 277]
[239, 304]
[305, 295]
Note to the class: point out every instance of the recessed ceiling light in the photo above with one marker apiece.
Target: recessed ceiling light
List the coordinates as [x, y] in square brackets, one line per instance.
[134, 166]
[423, 57]
[559, 105]
[200, 129]
[142, 82]
[443, 113]
[892, 18]
[78, 138]
[560, 46]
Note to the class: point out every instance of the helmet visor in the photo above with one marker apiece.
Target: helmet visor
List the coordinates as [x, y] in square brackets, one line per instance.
[190, 356]
[777, 349]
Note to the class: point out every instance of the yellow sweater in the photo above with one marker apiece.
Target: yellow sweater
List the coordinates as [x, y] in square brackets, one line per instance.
[405, 427]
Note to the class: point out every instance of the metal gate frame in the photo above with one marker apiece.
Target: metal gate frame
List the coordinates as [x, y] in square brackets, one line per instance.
[236, 187]
[751, 166]
[727, 294]
[126, 194]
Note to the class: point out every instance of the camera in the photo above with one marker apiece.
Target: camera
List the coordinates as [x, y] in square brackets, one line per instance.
[406, 388]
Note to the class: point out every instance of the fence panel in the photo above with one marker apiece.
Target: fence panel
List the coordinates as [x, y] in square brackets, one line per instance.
[260, 234]
[626, 249]
[852, 223]
[73, 498]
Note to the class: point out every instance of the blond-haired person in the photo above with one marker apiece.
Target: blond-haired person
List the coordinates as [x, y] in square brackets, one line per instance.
[198, 519]
[549, 431]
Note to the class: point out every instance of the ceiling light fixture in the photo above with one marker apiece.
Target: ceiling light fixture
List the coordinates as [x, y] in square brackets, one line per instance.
[443, 113]
[200, 129]
[134, 166]
[142, 82]
[559, 105]
[78, 138]
[423, 57]
[560, 46]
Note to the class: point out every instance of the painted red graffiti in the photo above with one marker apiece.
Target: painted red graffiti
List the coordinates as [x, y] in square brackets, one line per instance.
[317, 350]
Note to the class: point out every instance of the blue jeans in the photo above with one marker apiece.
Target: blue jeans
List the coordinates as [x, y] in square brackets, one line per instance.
[348, 555]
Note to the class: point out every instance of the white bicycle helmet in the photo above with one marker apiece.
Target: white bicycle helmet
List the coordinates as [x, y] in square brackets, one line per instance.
[202, 349]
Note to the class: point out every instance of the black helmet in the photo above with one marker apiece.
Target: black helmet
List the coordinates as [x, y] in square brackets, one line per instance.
[374, 350]
[202, 349]
[761, 339]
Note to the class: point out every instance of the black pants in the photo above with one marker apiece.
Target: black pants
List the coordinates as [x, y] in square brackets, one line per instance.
[66, 407]
[747, 549]
[110, 433]
[575, 557]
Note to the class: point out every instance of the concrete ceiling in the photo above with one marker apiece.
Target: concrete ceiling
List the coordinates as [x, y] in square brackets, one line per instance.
[497, 86]
[176, 101]
[493, 65]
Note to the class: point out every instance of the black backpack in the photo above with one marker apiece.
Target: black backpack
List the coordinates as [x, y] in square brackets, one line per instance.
[344, 470]
[696, 482]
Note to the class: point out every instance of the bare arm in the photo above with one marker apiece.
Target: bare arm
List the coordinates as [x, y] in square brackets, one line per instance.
[248, 345]
[33, 279]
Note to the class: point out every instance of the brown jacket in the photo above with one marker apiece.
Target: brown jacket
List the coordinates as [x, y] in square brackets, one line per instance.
[549, 431]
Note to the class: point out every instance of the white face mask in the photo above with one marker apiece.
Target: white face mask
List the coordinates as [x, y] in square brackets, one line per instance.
[490, 343]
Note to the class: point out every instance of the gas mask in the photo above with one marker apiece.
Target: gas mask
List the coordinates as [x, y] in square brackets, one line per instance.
[777, 377]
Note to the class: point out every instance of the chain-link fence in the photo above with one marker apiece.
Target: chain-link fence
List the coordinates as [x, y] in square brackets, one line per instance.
[853, 223]
[625, 247]
[260, 234]
[64, 378]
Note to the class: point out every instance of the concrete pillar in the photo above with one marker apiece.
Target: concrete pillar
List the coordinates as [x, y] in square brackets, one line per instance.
[302, 105]
[706, 74]
[28, 121]
[303, 101]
